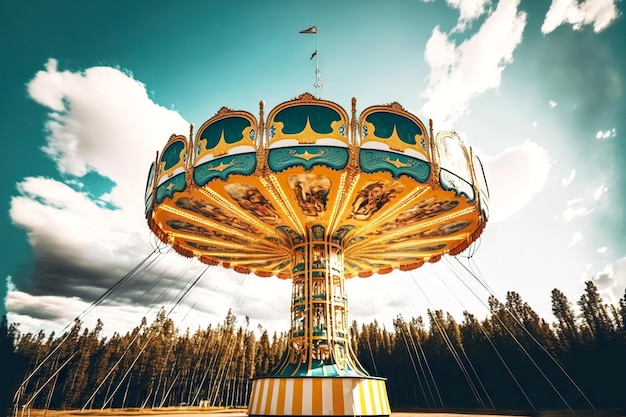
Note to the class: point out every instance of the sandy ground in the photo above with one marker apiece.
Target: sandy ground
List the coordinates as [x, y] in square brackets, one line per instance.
[197, 412]
[244, 414]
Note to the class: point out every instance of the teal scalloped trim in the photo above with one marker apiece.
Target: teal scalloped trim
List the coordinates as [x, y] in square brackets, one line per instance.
[307, 156]
[315, 368]
[244, 164]
[168, 188]
[373, 160]
[452, 182]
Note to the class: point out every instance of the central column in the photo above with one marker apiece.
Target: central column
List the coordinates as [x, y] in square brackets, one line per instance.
[319, 341]
[319, 374]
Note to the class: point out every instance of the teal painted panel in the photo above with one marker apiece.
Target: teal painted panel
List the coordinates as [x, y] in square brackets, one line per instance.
[384, 123]
[222, 168]
[307, 156]
[171, 155]
[231, 127]
[373, 160]
[318, 369]
[294, 118]
[168, 188]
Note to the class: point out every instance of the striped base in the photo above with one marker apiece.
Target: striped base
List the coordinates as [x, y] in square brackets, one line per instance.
[319, 396]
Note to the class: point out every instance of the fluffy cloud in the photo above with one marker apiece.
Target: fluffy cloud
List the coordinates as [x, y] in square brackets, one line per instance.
[459, 73]
[469, 10]
[600, 135]
[573, 210]
[568, 180]
[576, 238]
[515, 176]
[599, 13]
[599, 191]
[103, 121]
[611, 281]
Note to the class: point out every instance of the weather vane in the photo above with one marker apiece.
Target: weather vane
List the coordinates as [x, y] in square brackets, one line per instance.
[318, 80]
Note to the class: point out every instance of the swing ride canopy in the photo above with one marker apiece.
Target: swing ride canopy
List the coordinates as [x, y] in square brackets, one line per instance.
[244, 191]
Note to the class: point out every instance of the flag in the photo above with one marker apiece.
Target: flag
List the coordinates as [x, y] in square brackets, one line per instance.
[312, 29]
[313, 55]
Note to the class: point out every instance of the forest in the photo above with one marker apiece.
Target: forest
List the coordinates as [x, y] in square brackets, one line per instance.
[512, 359]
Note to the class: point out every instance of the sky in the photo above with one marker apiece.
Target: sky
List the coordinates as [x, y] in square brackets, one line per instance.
[92, 90]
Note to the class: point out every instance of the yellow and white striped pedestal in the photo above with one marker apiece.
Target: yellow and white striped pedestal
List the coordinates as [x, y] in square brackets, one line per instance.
[319, 396]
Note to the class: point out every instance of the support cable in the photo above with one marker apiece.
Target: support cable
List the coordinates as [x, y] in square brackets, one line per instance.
[450, 347]
[178, 301]
[526, 353]
[423, 355]
[534, 339]
[484, 332]
[92, 306]
[408, 349]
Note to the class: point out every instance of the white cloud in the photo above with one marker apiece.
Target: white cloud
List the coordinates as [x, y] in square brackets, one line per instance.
[568, 180]
[600, 135]
[611, 281]
[103, 120]
[574, 201]
[515, 176]
[100, 120]
[599, 191]
[468, 10]
[66, 224]
[552, 103]
[603, 249]
[576, 238]
[600, 13]
[460, 73]
[571, 212]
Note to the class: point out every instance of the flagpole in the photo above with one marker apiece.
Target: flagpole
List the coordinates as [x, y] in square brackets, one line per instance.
[318, 80]
[317, 67]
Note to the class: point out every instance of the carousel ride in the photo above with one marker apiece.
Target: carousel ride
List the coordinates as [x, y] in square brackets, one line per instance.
[317, 196]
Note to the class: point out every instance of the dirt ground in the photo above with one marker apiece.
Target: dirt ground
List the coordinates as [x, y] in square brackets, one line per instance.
[241, 412]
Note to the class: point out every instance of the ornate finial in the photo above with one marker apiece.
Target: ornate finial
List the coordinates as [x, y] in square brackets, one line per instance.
[396, 106]
[430, 125]
[353, 121]
[224, 110]
[190, 155]
[306, 97]
[261, 134]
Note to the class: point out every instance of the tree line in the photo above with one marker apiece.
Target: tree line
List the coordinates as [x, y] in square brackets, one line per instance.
[513, 359]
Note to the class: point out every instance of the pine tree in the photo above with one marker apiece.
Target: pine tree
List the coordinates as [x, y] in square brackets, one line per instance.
[567, 329]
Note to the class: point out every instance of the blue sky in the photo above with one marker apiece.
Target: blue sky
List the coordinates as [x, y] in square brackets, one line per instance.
[91, 90]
